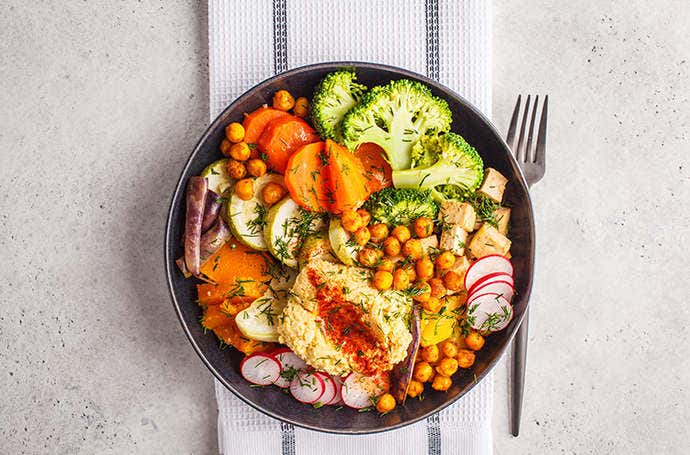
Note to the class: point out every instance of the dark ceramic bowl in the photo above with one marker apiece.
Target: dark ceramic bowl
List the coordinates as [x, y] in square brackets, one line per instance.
[224, 364]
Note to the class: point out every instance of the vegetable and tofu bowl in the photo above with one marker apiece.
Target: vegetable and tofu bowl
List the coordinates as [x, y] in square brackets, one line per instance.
[350, 247]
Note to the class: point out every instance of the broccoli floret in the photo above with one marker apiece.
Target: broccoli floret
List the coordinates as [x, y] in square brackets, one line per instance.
[396, 206]
[395, 116]
[337, 93]
[444, 164]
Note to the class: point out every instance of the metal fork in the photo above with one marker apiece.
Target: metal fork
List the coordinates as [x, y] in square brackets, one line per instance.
[532, 161]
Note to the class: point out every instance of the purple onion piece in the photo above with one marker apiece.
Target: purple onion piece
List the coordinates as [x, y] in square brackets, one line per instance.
[211, 210]
[196, 199]
[401, 375]
[214, 238]
[183, 267]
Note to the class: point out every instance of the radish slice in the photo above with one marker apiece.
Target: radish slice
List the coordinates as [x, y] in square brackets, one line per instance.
[358, 390]
[290, 365]
[330, 388]
[260, 369]
[488, 264]
[490, 278]
[338, 397]
[307, 387]
[503, 288]
[489, 312]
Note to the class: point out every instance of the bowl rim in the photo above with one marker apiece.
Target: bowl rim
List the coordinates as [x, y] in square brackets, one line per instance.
[180, 187]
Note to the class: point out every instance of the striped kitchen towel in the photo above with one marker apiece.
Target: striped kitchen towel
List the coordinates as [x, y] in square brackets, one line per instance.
[448, 40]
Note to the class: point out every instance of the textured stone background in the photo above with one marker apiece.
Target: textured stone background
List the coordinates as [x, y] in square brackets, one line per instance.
[100, 104]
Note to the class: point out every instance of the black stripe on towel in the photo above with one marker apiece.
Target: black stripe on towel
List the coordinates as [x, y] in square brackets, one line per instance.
[280, 36]
[432, 40]
[433, 432]
[287, 436]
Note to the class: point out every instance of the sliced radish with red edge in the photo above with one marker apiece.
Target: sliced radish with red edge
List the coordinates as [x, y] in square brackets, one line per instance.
[486, 279]
[307, 387]
[493, 263]
[260, 369]
[358, 390]
[489, 312]
[291, 364]
[330, 388]
[338, 398]
[503, 288]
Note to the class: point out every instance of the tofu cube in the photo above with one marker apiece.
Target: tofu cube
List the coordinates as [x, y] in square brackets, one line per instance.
[460, 213]
[487, 240]
[429, 244]
[502, 216]
[494, 185]
[460, 267]
[453, 239]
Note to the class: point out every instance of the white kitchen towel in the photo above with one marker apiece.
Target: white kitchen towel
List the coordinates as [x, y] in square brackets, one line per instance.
[448, 40]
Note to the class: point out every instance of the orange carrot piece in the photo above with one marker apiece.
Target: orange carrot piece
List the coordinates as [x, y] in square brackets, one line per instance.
[306, 177]
[231, 335]
[347, 178]
[282, 137]
[377, 170]
[214, 317]
[235, 261]
[255, 122]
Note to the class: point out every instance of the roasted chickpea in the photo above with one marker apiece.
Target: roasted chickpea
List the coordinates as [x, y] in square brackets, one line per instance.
[474, 341]
[245, 189]
[379, 232]
[240, 151]
[424, 268]
[441, 383]
[283, 100]
[362, 236]
[412, 249]
[452, 280]
[236, 169]
[424, 292]
[272, 192]
[391, 246]
[449, 349]
[465, 358]
[385, 265]
[415, 389]
[445, 260]
[423, 227]
[447, 367]
[382, 280]
[225, 147]
[234, 132]
[366, 217]
[422, 372]
[437, 287]
[432, 305]
[369, 257]
[401, 280]
[256, 167]
[351, 220]
[385, 403]
[301, 108]
[431, 353]
[401, 233]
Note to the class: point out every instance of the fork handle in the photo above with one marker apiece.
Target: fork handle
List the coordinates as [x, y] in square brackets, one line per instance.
[518, 374]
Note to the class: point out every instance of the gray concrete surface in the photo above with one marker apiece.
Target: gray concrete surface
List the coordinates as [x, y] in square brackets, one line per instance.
[100, 104]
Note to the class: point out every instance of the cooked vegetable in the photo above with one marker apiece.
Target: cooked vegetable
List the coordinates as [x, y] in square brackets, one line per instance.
[221, 267]
[196, 200]
[306, 177]
[234, 132]
[395, 116]
[376, 169]
[283, 100]
[247, 218]
[346, 178]
[213, 239]
[341, 242]
[287, 225]
[402, 372]
[258, 321]
[218, 177]
[211, 210]
[282, 137]
[401, 206]
[445, 164]
[315, 246]
[436, 327]
[337, 93]
[255, 122]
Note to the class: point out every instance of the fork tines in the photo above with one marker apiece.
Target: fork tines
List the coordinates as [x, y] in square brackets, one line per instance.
[523, 149]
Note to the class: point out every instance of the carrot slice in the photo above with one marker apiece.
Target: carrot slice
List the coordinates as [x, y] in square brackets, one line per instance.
[347, 178]
[282, 137]
[377, 170]
[242, 289]
[214, 317]
[231, 335]
[255, 122]
[235, 261]
[306, 177]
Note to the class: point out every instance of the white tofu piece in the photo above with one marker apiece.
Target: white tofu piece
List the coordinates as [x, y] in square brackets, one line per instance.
[502, 216]
[460, 267]
[453, 239]
[487, 240]
[460, 213]
[494, 185]
[429, 244]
